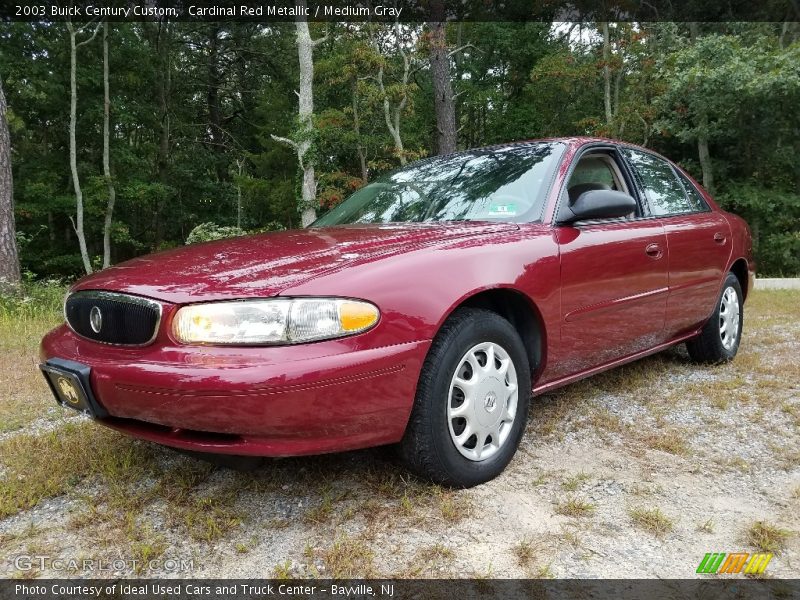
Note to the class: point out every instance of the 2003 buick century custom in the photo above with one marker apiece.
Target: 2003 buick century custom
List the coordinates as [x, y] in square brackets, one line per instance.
[423, 311]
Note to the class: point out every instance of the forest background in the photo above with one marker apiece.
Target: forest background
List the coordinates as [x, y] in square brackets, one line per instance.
[128, 138]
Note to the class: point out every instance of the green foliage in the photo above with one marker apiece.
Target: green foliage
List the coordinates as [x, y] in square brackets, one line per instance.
[33, 299]
[207, 232]
[195, 106]
[773, 216]
[269, 226]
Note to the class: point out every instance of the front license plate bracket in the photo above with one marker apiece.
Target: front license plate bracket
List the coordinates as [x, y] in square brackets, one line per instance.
[69, 382]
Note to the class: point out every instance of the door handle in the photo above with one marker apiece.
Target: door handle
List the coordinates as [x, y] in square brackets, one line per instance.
[719, 238]
[654, 251]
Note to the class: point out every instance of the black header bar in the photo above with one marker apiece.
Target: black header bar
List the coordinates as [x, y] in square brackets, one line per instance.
[401, 10]
[713, 588]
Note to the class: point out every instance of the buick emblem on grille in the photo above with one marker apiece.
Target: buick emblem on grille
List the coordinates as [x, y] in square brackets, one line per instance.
[96, 319]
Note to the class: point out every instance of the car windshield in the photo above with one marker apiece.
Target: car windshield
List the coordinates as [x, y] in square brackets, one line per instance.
[499, 184]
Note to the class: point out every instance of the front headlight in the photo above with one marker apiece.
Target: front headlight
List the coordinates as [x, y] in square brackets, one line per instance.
[275, 321]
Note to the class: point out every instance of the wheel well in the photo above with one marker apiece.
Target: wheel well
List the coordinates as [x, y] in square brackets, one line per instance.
[739, 268]
[521, 313]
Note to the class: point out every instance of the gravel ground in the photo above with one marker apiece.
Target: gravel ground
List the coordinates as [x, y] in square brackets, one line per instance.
[713, 449]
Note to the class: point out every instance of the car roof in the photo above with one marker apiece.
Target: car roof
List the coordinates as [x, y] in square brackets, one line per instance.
[574, 142]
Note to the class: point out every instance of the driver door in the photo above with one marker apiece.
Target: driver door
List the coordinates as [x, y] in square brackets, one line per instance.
[614, 273]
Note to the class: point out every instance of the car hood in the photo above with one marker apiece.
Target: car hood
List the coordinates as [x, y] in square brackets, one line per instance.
[265, 264]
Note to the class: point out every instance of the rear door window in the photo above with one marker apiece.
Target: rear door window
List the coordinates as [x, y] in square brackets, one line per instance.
[696, 199]
[664, 192]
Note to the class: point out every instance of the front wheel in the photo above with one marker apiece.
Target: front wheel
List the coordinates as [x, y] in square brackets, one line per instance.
[719, 339]
[472, 401]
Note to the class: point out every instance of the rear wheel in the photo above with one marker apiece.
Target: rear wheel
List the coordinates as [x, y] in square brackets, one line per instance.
[720, 337]
[472, 401]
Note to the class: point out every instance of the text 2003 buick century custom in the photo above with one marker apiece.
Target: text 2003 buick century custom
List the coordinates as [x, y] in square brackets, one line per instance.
[422, 311]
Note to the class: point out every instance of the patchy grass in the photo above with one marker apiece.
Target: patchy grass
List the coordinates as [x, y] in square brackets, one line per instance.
[283, 570]
[525, 552]
[437, 552]
[788, 458]
[571, 537]
[604, 420]
[206, 519]
[43, 466]
[325, 510]
[145, 551]
[639, 488]
[667, 440]
[651, 520]
[735, 463]
[453, 506]
[542, 478]
[544, 572]
[772, 306]
[429, 561]
[23, 315]
[24, 319]
[348, 557]
[573, 482]
[575, 507]
[767, 537]
[707, 526]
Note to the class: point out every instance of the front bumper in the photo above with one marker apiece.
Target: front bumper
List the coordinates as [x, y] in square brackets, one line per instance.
[279, 401]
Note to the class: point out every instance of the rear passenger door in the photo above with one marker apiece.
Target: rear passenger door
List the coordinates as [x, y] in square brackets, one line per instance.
[698, 240]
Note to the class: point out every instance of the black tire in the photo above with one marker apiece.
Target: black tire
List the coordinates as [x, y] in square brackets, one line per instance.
[427, 447]
[709, 347]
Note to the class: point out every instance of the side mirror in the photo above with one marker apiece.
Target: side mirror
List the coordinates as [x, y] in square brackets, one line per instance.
[599, 204]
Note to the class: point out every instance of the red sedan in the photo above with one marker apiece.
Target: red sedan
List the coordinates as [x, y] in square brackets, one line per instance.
[423, 311]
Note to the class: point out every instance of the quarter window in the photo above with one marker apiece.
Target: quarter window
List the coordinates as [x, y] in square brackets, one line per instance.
[664, 192]
[696, 199]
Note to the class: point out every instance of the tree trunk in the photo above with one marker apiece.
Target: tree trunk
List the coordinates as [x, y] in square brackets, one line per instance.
[159, 35]
[607, 76]
[239, 166]
[112, 193]
[362, 156]
[9, 259]
[391, 113]
[73, 151]
[392, 117]
[217, 134]
[442, 90]
[163, 40]
[703, 153]
[305, 114]
[305, 54]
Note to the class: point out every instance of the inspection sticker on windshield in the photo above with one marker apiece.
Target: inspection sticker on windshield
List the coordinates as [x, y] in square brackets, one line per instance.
[502, 210]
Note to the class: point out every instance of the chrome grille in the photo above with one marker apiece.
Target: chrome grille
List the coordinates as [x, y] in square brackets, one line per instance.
[113, 318]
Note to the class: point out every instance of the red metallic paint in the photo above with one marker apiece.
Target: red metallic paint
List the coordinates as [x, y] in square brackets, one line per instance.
[601, 293]
[273, 401]
[618, 310]
[699, 251]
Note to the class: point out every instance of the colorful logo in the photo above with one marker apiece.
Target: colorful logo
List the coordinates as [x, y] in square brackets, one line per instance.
[738, 562]
[68, 390]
